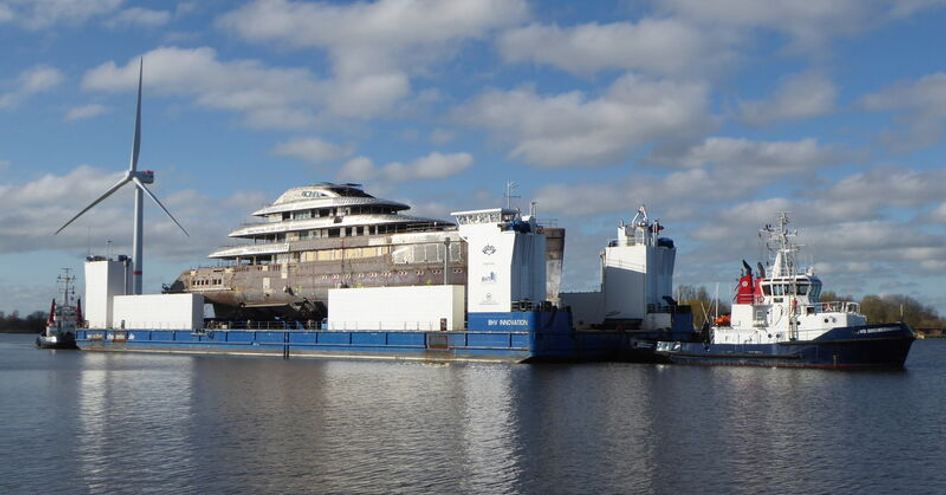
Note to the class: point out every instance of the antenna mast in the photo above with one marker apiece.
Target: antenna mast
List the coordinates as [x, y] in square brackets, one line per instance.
[510, 187]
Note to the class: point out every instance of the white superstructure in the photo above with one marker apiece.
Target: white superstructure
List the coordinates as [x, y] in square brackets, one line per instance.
[636, 280]
[507, 266]
[782, 302]
[298, 224]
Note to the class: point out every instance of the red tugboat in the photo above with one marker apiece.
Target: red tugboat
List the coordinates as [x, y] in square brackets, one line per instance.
[64, 318]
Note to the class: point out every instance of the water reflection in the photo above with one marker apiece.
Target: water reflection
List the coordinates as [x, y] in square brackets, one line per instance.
[132, 413]
[130, 423]
[487, 427]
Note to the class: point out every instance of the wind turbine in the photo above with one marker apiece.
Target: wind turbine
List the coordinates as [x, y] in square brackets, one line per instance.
[139, 178]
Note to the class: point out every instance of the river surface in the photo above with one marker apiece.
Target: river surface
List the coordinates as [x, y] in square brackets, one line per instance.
[83, 422]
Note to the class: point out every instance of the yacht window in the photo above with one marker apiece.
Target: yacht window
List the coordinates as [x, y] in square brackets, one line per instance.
[333, 232]
[778, 289]
[802, 289]
[766, 289]
[360, 231]
[433, 252]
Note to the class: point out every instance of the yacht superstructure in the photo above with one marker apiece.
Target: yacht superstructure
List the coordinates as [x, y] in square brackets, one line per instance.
[323, 236]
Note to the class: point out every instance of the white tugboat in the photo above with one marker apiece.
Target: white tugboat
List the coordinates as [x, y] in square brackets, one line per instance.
[64, 318]
[779, 320]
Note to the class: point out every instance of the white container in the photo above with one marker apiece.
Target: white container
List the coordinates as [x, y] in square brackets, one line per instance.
[159, 311]
[408, 308]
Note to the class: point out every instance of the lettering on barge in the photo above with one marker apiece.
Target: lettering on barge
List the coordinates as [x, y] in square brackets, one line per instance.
[507, 323]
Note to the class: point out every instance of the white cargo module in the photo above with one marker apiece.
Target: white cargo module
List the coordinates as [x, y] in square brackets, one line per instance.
[104, 279]
[422, 307]
[159, 311]
[506, 260]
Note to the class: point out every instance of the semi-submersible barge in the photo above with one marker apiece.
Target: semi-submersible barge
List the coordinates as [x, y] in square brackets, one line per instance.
[501, 312]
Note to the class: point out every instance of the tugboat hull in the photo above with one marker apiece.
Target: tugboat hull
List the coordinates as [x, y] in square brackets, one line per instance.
[865, 346]
[65, 341]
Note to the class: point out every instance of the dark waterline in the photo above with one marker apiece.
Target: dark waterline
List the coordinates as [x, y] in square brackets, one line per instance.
[75, 422]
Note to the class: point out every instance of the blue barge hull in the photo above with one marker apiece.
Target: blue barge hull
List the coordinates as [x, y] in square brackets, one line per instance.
[867, 346]
[433, 346]
[512, 337]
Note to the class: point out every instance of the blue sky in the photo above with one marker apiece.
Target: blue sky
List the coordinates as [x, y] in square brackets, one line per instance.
[716, 114]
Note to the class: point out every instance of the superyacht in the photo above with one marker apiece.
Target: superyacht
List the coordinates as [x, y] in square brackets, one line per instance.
[328, 235]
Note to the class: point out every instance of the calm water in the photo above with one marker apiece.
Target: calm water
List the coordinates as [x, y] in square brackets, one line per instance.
[73, 422]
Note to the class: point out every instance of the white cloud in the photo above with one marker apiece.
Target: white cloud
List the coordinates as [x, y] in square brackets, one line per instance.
[571, 129]
[31, 212]
[367, 95]
[137, 16]
[373, 47]
[313, 150]
[922, 103]
[865, 195]
[442, 136]
[939, 214]
[799, 96]
[85, 112]
[6, 15]
[808, 24]
[42, 14]
[663, 46]
[904, 8]
[267, 96]
[388, 26]
[745, 159]
[433, 166]
[31, 81]
[718, 169]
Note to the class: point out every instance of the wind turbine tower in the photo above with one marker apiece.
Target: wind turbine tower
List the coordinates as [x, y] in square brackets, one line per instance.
[139, 178]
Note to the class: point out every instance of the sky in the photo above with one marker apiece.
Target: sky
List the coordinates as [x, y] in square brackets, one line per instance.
[715, 114]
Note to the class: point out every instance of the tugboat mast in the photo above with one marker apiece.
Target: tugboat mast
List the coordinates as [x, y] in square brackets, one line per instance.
[65, 280]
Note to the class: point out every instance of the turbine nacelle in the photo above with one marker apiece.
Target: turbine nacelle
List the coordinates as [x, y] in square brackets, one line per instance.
[145, 176]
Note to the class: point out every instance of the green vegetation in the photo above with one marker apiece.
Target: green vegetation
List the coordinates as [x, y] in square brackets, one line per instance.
[34, 323]
[702, 303]
[880, 309]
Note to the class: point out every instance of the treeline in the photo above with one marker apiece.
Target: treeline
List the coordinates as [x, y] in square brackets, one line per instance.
[35, 322]
[877, 309]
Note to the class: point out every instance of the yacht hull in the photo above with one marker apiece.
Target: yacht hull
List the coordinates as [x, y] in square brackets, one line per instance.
[865, 346]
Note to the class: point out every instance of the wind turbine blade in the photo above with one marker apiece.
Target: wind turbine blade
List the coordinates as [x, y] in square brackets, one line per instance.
[97, 201]
[155, 199]
[136, 145]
